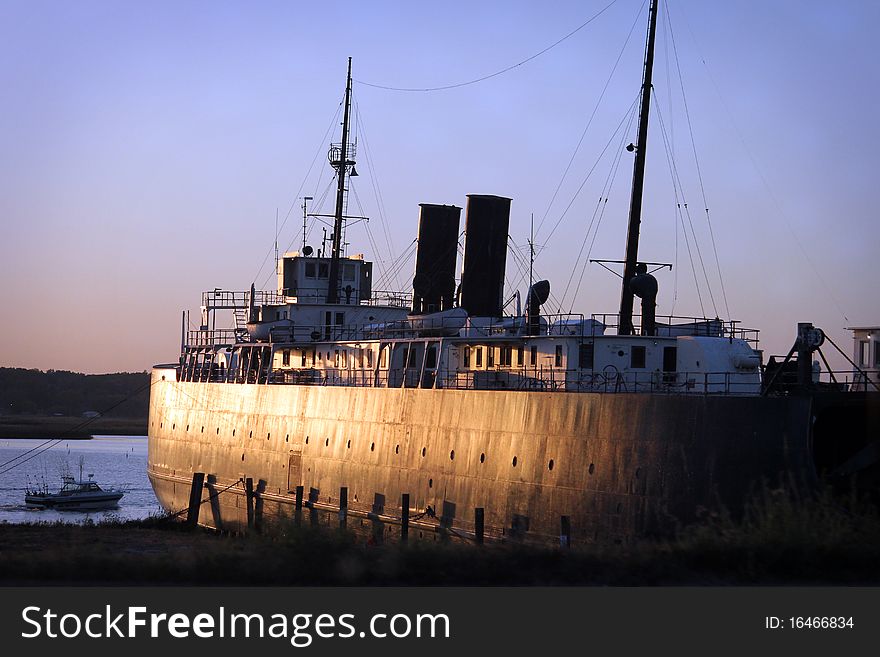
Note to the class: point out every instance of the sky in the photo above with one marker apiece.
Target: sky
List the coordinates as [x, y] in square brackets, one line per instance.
[145, 149]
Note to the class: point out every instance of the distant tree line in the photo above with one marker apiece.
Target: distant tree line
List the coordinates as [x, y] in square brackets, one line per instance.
[34, 392]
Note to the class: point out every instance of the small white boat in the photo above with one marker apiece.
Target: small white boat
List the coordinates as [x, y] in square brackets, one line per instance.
[74, 496]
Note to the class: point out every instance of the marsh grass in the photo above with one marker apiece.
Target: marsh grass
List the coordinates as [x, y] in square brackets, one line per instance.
[781, 538]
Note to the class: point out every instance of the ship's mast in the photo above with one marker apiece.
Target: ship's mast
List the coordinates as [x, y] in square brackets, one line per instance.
[340, 164]
[635, 206]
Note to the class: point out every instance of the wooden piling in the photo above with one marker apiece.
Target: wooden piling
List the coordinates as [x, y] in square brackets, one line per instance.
[195, 499]
[479, 524]
[249, 499]
[297, 517]
[404, 518]
[343, 506]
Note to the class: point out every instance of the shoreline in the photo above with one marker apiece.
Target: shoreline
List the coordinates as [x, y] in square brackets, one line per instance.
[68, 428]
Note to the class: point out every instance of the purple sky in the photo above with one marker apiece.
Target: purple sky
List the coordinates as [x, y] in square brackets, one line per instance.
[145, 148]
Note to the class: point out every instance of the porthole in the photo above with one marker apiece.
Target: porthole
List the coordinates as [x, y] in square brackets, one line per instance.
[161, 424]
[251, 433]
[592, 468]
[307, 440]
[287, 438]
[424, 451]
[372, 446]
[327, 442]
[218, 431]
[203, 429]
[187, 427]
[430, 483]
[233, 432]
[620, 353]
[482, 458]
[267, 436]
[173, 425]
[348, 445]
[550, 465]
[163, 378]
[397, 449]
[242, 456]
[514, 461]
[452, 455]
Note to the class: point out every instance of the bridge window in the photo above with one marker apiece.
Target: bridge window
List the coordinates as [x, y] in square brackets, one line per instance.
[533, 356]
[467, 356]
[585, 356]
[310, 269]
[285, 357]
[637, 357]
[323, 270]
[348, 272]
[559, 355]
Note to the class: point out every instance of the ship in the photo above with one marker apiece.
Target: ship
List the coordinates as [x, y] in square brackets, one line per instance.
[432, 413]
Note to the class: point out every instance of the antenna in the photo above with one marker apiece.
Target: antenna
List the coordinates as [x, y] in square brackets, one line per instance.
[305, 204]
[531, 252]
[276, 242]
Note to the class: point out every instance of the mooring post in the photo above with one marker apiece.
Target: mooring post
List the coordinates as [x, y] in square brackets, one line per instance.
[404, 518]
[565, 536]
[479, 524]
[297, 517]
[249, 500]
[195, 499]
[343, 506]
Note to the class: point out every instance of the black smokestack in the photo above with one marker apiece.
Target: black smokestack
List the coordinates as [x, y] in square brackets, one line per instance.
[485, 255]
[434, 280]
[644, 286]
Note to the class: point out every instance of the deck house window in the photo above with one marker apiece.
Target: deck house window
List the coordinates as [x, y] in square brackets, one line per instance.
[479, 356]
[323, 270]
[285, 357]
[519, 356]
[383, 357]
[585, 356]
[533, 356]
[311, 270]
[370, 358]
[670, 355]
[345, 358]
[467, 356]
[490, 356]
[431, 358]
[336, 358]
[559, 355]
[637, 357]
[865, 345]
[877, 354]
[302, 357]
[506, 356]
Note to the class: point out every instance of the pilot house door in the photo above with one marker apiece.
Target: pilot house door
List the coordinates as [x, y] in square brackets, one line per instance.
[294, 468]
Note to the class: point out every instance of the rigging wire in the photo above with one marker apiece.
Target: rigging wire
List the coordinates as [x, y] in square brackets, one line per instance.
[697, 161]
[592, 169]
[497, 73]
[296, 197]
[590, 120]
[679, 202]
[763, 178]
[374, 181]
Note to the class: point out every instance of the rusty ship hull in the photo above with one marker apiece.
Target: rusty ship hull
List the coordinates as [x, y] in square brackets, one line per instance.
[609, 466]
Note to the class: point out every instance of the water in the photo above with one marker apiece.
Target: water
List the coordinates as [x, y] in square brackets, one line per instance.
[116, 461]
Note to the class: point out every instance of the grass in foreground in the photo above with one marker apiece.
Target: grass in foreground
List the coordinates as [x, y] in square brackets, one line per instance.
[781, 540]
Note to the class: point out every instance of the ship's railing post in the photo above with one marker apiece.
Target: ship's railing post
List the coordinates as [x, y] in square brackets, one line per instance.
[404, 518]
